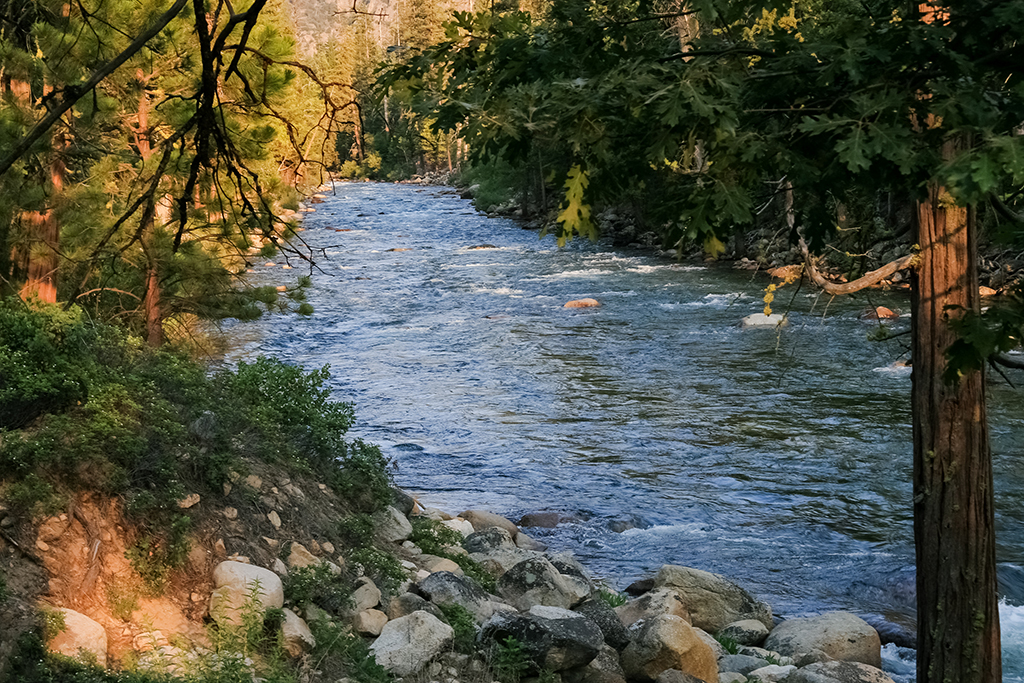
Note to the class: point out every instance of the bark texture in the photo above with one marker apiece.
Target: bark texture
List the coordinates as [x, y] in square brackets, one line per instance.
[954, 527]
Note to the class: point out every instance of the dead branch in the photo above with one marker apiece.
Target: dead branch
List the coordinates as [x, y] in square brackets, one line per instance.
[872, 278]
[1007, 362]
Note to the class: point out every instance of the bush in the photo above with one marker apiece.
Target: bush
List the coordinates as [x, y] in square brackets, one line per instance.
[435, 538]
[385, 569]
[318, 585]
[462, 622]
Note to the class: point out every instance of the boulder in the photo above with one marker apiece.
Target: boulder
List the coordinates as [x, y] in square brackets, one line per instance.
[710, 641]
[878, 313]
[762, 320]
[553, 638]
[773, 673]
[582, 303]
[406, 644]
[668, 642]
[741, 664]
[745, 632]
[676, 676]
[494, 547]
[657, 602]
[442, 588]
[839, 672]
[81, 636]
[544, 519]
[526, 543]
[537, 582]
[407, 603]
[481, 519]
[391, 525]
[433, 563]
[731, 677]
[299, 556]
[712, 600]
[598, 611]
[840, 635]
[366, 596]
[460, 525]
[604, 668]
[369, 622]
[402, 501]
[295, 634]
[236, 584]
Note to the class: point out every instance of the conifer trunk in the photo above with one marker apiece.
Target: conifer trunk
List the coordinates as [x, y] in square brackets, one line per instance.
[954, 527]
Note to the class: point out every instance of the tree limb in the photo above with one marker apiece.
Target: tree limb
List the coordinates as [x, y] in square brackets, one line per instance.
[872, 278]
[1007, 362]
[74, 93]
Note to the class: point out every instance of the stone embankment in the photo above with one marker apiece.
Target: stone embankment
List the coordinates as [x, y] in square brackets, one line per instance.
[683, 625]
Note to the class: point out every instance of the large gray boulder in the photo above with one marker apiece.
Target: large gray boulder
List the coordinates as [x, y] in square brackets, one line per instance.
[712, 600]
[604, 668]
[407, 644]
[81, 635]
[554, 638]
[742, 664]
[598, 611]
[537, 582]
[668, 642]
[839, 672]
[236, 584]
[494, 546]
[745, 632]
[840, 635]
[391, 525]
[443, 588]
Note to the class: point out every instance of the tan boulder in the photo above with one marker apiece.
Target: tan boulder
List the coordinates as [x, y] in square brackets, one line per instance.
[582, 303]
[668, 642]
[236, 584]
[81, 636]
[657, 602]
[296, 634]
[481, 519]
[369, 622]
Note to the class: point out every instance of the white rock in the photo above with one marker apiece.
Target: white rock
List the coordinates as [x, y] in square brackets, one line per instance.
[762, 320]
[274, 518]
[366, 596]
[296, 634]
[772, 673]
[81, 635]
[458, 524]
[299, 556]
[236, 583]
[408, 643]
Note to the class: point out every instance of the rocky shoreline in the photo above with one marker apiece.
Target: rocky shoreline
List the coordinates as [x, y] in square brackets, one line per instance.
[544, 619]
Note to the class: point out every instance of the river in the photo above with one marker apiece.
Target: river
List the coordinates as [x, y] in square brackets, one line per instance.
[781, 459]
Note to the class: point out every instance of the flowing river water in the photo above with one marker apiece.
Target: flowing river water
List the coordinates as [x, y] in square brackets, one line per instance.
[661, 429]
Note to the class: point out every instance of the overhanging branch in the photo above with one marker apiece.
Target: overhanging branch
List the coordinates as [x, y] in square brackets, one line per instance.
[872, 278]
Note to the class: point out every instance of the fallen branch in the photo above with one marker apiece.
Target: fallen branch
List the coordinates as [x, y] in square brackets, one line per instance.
[872, 278]
[1007, 361]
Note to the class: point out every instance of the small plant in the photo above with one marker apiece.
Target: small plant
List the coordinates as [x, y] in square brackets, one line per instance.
[123, 598]
[338, 653]
[385, 569]
[462, 622]
[318, 585]
[612, 598]
[52, 622]
[772, 659]
[435, 538]
[510, 661]
[356, 530]
[728, 644]
[154, 558]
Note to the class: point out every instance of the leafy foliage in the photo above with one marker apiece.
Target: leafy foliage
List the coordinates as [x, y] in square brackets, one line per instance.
[318, 585]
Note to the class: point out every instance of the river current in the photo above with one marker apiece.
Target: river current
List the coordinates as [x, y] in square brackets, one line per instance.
[662, 430]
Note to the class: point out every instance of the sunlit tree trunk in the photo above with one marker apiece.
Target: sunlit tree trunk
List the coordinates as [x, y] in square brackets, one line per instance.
[954, 526]
[151, 301]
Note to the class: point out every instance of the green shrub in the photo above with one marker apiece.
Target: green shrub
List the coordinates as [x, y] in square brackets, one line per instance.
[728, 644]
[612, 598]
[385, 569]
[435, 538]
[462, 622]
[339, 652]
[318, 585]
[356, 530]
[31, 662]
[510, 661]
[154, 557]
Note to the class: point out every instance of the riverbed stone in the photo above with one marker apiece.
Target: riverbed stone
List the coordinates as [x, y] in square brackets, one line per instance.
[659, 601]
[494, 548]
[537, 582]
[407, 603]
[553, 638]
[839, 672]
[482, 519]
[773, 673]
[81, 635]
[391, 525]
[762, 320]
[712, 600]
[668, 642]
[296, 636]
[443, 588]
[742, 664]
[840, 635]
[235, 583]
[604, 668]
[406, 644]
[745, 632]
[527, 543]
[598, 611]
[545, 519]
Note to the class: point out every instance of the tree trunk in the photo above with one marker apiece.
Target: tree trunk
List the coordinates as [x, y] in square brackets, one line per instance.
[954, 532]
